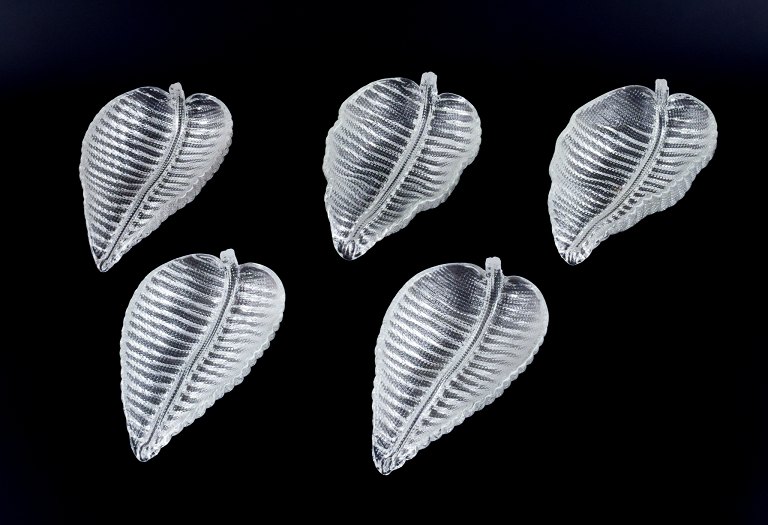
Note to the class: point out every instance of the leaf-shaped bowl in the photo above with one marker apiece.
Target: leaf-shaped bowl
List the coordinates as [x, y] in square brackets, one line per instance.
[623, 156]
[191, 333]
[454, 337]
[145, 155]
[396, 149]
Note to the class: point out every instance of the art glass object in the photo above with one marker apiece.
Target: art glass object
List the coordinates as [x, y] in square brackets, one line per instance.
[145, 155]
[454, 337]
[397, 148]
[623, 156]
[192, 331]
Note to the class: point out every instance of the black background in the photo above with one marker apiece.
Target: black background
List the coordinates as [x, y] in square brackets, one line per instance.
[647, 399]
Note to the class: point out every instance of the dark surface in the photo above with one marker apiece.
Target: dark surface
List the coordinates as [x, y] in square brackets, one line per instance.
[648, 396]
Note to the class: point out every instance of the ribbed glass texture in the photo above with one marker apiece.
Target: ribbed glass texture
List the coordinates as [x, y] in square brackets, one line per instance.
[145, 155]
[397, 148]
[454, 337]
[623, 156]
[192, 331]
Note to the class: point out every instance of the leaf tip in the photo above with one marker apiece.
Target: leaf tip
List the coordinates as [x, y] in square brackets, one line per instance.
[349, 249]
[574, 252]
[105, 261]
[385, 464]
[143, 451]
[574, 257]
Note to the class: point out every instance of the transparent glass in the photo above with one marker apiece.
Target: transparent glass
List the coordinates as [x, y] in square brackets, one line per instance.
[454, 337]
[192, 331]
[397, 148]
[145, 155]
[623, 156]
